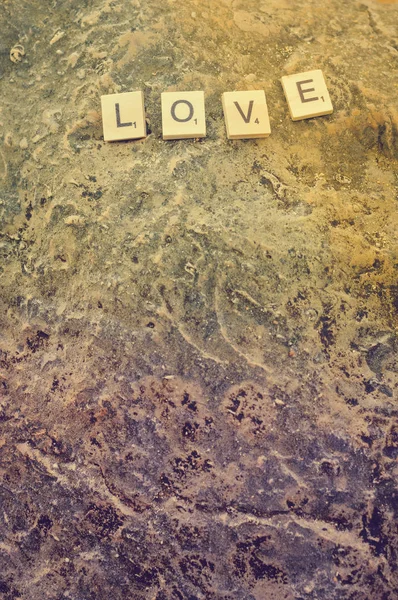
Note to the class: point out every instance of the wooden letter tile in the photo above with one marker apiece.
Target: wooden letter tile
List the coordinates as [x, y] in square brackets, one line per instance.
[123, 116]
[183, 115]
[307, 95]
[246, 114]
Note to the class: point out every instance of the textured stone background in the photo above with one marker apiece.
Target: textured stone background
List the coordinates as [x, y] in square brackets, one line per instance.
[198, 340]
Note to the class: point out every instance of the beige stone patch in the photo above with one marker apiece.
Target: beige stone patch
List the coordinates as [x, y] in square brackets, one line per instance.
[133, 41]
[62, 250]
[72, 59]
[246, 21]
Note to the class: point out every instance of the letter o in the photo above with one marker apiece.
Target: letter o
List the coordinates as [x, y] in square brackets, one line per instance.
[173, 111]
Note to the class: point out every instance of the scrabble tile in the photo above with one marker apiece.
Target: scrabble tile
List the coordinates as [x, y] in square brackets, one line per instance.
[123, 116]
[246, 114]
[307, 95]
[183, 115]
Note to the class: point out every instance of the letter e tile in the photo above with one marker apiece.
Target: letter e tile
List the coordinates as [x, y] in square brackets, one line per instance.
[123, 116]
[307, 95]
[183, 115]
[246, 114]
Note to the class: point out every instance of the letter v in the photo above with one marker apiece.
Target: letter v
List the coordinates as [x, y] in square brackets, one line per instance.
[249, 112]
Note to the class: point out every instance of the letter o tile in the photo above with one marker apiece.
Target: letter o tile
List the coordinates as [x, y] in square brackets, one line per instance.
[183, 115]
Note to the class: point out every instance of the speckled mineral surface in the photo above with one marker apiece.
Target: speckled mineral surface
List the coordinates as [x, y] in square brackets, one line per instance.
[198, 338]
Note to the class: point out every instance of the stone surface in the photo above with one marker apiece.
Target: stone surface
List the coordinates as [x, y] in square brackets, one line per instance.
[198, 339]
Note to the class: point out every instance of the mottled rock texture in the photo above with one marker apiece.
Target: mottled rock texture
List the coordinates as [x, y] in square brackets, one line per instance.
[198, 339]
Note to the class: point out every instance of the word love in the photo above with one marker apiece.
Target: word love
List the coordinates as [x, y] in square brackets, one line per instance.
[183, 113]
